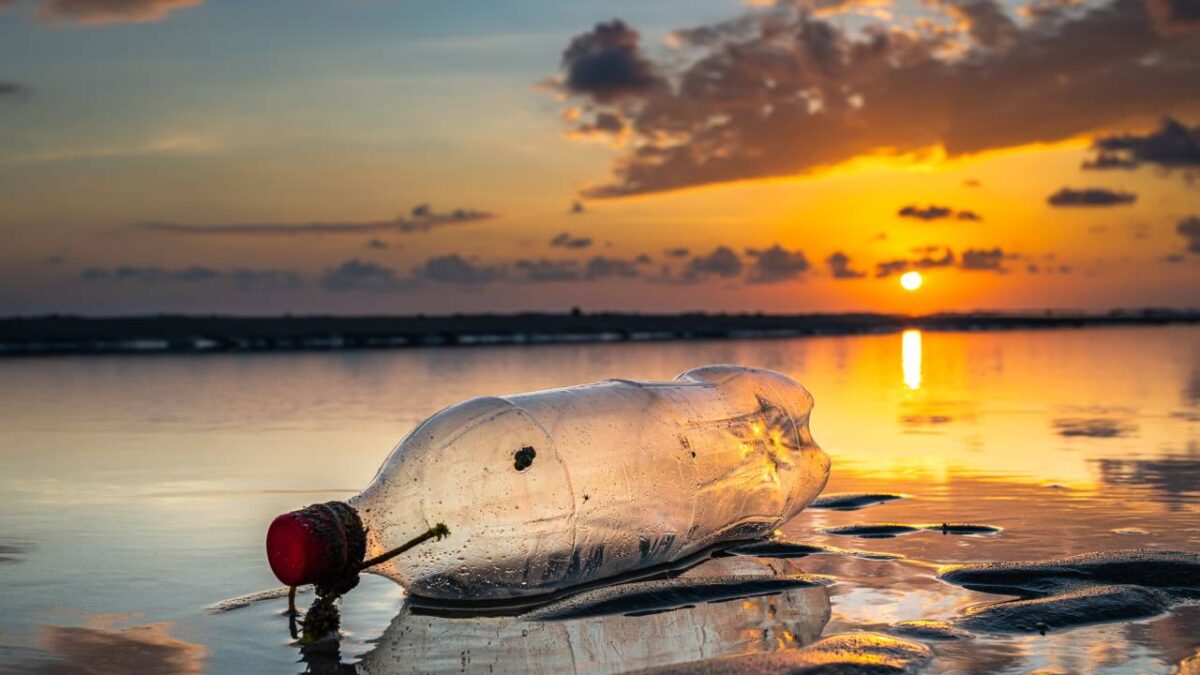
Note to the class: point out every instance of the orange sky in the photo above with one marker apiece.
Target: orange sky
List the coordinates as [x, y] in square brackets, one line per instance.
[180, 156]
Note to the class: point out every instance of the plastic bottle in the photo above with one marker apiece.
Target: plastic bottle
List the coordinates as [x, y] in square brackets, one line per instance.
[547, 490]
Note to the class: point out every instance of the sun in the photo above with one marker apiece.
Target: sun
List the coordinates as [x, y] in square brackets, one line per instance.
[911, 281]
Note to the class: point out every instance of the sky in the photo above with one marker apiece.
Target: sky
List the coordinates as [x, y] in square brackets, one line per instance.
[439, 156]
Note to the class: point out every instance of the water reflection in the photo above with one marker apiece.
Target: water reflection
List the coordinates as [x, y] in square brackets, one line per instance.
[415, 642]
[1174, 477]
[101, 649]
[155, 476]
[910, 357]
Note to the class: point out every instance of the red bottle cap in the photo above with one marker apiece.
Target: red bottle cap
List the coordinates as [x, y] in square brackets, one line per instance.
[319, 544]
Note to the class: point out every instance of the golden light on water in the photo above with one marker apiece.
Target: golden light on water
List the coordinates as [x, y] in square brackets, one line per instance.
[911, 281]
[910, 356]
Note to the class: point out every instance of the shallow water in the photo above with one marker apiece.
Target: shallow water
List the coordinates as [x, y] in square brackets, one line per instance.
[134, 492]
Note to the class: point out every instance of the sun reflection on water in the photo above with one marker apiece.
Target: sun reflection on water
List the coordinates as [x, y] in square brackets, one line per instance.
[910, 357]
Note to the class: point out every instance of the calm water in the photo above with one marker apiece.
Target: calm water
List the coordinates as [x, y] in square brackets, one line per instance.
[134, 492]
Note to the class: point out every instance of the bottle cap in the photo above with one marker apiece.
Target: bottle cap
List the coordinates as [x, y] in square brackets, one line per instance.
[320, 544]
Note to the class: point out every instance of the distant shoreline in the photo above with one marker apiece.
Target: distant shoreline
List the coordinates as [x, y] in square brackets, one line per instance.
[168, 334]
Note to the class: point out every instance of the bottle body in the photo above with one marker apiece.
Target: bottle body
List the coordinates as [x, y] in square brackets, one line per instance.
[552, 489]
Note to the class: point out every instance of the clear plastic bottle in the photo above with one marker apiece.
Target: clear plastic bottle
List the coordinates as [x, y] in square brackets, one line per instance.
[551, 489]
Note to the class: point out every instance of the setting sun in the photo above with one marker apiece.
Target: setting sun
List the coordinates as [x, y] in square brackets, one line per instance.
[911, 281]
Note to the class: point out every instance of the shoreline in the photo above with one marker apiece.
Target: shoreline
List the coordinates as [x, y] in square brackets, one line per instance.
[183, 334]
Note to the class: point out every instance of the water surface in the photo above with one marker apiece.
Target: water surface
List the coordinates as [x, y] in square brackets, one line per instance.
[135, 491]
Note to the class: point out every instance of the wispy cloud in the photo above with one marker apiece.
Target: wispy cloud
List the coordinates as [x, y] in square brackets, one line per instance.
[421, 218]
[101, 12]
[242, 278]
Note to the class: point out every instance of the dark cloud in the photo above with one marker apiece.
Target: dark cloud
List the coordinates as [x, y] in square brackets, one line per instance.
[264, 280]
[243, 279]
[676, 252]
[457, 270]
[776, 264]
[601, 267]
[931, 212]
[421, 219]
[936, 212]
[986, 21]
[13, 89]
[1172, 146]
[377, 244]
[1176, 16]
[928, 260]
[722, 262]
[548, 271]
[839, 267]
[1189, 229]
[983, 260]
[1090, 197]
[359, 275]
[780, 92]
[607, 64]
[577, 207]
[565, 240]
[191, 274]
[99, 12]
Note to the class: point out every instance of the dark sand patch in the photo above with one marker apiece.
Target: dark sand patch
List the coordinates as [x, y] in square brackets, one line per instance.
[1142, 567]
[925, 629]
[660, 595]
[852, 501]
[879, 530]
[964, 528]
[1092, 604]
[783, 548]
[845, 654]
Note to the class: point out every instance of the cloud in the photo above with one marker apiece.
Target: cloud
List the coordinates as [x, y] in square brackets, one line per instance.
[101, 12]
[931, 212]
[601, 267]
[927, 261]
[1189, 229]
[191, 274]
[243, 279]
[839, 267]
[577, 208]
[983, 260]
[264, 279]
[359, 275]
[721, 262]
[776, 264]
[457, 270]
[548, 271]
[1090, 197]
[1176, 16]
[780, 92]
[565, 240]
[936, 212]
[606, 64]
[421, 219]
[13, 89]
[678, 252]
[1172, 146]
[376, 244]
